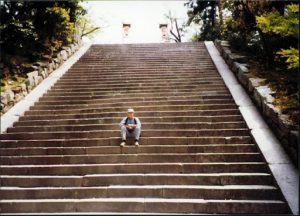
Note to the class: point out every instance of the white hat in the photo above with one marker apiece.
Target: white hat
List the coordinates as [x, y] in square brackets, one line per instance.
[130, 110]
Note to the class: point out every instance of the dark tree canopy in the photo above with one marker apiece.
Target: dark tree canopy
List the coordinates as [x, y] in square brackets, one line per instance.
[30, 28]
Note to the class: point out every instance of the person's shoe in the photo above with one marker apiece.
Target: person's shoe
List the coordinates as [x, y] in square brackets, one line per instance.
[136, 143]
[123, 143]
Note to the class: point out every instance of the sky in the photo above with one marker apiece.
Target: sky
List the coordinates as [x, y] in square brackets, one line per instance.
[144, 17]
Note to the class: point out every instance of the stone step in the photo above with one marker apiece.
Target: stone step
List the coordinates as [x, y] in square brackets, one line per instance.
[119, 85]
[142, 80]
[84, 169]
[210, 148]
[239, 192]
[82, 99]
[110, 93]
[116, 120]
[131, 62]
[144, 205]
[88, 84]
[132, 103]
[91, 60]
[145, 125]
[115, 141]
[144, 59]
[86, 109]
[165, 68]
[131, 158]
[143, 62]
[149, 69]
[96, 87]
[101, 114]
[136, 78]
[126, 65]
[165, 57]
[115, 133]
[149, 56]
[158, 78]
[139, 88]
[137, 179]
[119, 78]
[121, 94]
[133, 56]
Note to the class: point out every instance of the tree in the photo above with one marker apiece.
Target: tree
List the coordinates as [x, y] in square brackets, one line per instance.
[179, 30]
[244, 34]
[54, 28]
[18, 33]
[86, 27]
[204, 12]
[285, 25]
[32, 29]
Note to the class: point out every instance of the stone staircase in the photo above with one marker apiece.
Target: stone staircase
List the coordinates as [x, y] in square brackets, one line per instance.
[196, 153]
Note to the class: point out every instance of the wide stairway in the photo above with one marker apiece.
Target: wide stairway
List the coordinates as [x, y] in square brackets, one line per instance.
[195, 155]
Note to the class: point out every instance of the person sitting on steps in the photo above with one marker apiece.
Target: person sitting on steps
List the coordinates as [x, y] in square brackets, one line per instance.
[130, 127]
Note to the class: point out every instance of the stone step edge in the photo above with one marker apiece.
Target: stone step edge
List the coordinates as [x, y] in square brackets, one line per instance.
[204, 107]
[245, 129]
[145, 117]
[141, 206]
[137, 175]
[53, 99]
[159, 111]
[141, 200]
[141, 146]
[134, 164]
[143, 123]
[130, 154]
[141, 100]
[226, 139]
[135, 89]
[208, 187]
[158, 82]
[152, 94]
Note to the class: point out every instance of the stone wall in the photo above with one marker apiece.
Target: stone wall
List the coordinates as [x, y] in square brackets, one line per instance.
[261, 94]
[41, 71]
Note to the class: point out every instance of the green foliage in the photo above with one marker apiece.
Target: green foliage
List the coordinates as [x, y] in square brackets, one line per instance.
[57, 25]
[2, 86]
[284, 25]
[31, 29]
[266, 30]
[205, 13]
[18, 33]
[292, 57]
[86, 26]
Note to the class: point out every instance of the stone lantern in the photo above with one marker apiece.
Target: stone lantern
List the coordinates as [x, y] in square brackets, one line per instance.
[164, 32]
[126, 28]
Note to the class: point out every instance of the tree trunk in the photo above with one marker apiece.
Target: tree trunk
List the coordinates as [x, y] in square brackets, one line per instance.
[266, 49]
[178, 32]
[213, 15]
